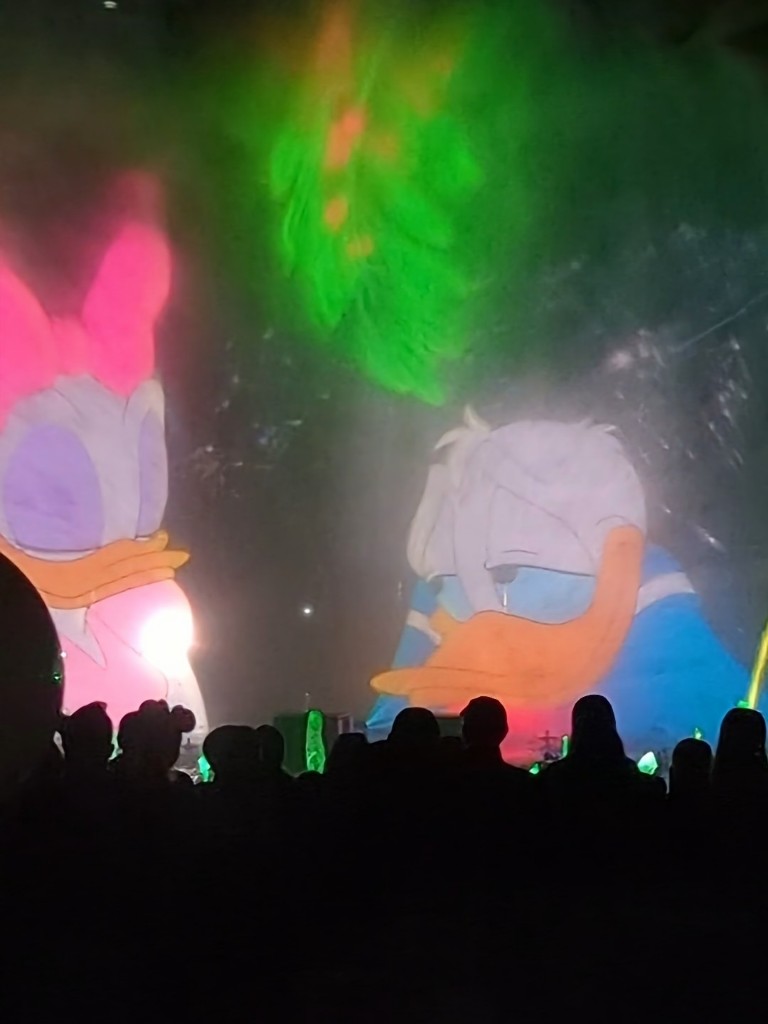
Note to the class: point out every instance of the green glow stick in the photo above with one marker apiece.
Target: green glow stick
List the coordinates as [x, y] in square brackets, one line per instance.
[648, 764]
[314, 747]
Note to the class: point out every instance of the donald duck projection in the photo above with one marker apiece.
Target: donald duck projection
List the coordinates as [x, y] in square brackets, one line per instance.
[537, 584]
[84, 473]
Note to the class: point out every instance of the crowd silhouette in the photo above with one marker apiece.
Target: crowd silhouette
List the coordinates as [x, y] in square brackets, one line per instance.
[419, 878]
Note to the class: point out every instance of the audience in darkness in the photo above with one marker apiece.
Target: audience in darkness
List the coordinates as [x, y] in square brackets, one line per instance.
[419, 878]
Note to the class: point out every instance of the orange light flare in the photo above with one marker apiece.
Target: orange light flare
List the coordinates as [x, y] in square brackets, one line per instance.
[336, 212]
[333, 49]
[360, 248]
[424, 82]
[344, 135]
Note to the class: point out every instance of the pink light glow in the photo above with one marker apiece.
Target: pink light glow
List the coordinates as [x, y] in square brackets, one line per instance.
[128, 675]
[27, 349]
[122, 307]
[113, 339]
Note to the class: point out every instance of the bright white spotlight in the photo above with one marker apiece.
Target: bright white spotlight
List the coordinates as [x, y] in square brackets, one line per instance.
[166, 640]
[307, 610]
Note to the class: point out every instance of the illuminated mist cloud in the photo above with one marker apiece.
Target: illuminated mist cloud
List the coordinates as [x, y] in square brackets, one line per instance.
[387, 211]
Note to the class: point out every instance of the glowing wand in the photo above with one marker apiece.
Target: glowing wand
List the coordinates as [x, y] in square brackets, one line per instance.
[758, 670]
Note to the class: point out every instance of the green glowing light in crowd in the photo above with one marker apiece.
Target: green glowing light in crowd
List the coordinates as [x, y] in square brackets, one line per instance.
[206, 772]
[743, 704]
[648, 763]
[58, 669]
[535, 768]
[314, 747]
[565, 746]
[698, 734]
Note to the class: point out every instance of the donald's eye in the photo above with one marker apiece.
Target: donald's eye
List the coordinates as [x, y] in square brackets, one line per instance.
[502, 574]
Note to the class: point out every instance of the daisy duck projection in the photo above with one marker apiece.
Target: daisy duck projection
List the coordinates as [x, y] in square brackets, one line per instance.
[84, 474]
[538, 584]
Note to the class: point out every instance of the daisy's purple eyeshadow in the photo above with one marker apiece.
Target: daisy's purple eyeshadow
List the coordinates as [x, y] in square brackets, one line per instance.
[51, 494]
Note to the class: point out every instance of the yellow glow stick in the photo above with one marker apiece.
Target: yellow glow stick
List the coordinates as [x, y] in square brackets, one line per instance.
[758, 671]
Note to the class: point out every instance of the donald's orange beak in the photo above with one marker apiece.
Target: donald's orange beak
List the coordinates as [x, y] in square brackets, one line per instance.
[530, 664]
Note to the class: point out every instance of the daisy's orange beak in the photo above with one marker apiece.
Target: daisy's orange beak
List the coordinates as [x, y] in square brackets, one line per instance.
[113, 569]
[531, 664]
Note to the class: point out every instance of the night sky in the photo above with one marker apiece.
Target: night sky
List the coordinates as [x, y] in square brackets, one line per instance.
[293, 477]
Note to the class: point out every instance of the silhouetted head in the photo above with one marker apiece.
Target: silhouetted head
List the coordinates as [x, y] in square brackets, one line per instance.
[691, 768]
[594, 736]
[415, 729]
[86, 736]
[309, 787]
[484, 723]
[741, 744]
[150, 738]
[593, 710]
[347, 754]
[129, 734]
[233, 753]
[271, 746]
[31, 678]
